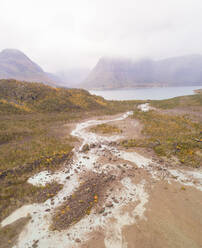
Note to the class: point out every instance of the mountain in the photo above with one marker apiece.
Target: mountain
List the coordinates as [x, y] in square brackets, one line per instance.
[111, 73]
[15, 64]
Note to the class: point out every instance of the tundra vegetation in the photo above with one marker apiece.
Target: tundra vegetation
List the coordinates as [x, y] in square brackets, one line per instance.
[171, 134]
[9, 233]
[106, 129]
[33, 136]
[190, 102]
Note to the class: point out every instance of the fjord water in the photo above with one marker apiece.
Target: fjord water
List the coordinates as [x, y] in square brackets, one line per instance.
[155, 93]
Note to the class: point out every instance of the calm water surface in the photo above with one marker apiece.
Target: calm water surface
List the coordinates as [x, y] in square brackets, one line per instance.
[146, 93]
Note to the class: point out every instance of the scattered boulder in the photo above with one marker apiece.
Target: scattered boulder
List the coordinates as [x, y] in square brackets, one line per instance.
[101, 210]
[85, 148]
[109, 205]
[92, 145]
[77, 240]
[115, 200]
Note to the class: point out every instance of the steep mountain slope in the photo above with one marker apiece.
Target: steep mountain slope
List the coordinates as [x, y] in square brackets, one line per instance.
[121, 73]
[186, 70]
[15, 64]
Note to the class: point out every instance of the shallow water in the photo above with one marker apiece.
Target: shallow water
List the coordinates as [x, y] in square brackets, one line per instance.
[157, 93]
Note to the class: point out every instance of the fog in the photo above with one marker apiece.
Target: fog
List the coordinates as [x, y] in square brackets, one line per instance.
[76, 33]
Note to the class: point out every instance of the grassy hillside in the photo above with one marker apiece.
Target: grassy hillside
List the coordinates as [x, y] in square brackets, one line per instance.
[21, 97]
[180, 102]
[33, 136]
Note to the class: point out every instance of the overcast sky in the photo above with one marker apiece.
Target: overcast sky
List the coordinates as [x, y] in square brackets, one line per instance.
[60, 34]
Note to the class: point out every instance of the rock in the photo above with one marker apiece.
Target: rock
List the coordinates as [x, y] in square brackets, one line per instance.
[77, 240]
[101, 210]
[85, 148]
[109, 205]
[92, 145]
[47, 210]
[112, 177]
[115, 200]
[105, 214]
[68, 177]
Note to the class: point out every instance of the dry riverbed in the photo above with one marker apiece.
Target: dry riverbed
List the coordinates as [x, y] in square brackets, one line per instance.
[114, 197]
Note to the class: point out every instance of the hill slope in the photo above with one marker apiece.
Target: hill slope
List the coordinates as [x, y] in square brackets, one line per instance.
[121, 73]
[35, 97]
[15, 64]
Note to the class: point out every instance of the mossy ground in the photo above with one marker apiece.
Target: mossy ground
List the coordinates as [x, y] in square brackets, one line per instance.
[33, 136]
[170, 135]
[106, 129]
[180, 102]
[9, 234]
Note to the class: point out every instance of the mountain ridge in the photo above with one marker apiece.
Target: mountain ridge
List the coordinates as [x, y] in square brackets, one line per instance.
[14, 64]
[112, 73]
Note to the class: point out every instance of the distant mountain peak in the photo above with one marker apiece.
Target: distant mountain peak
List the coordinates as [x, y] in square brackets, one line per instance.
[12, 53]
[111, 73]
[16, 65]
[11, 50]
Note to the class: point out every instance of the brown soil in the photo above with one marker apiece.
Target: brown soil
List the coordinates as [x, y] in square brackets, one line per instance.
[9, 234]
[173, 219]
[131, 128]
[173, 216]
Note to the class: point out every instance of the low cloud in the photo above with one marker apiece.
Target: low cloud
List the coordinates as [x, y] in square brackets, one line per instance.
[76, 33]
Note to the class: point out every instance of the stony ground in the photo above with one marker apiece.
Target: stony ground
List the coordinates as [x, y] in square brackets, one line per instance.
[115, 198]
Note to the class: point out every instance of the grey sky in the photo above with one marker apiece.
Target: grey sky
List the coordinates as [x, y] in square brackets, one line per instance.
[69, 33]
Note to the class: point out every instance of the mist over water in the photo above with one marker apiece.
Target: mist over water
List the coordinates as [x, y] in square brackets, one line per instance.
[146, 93]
